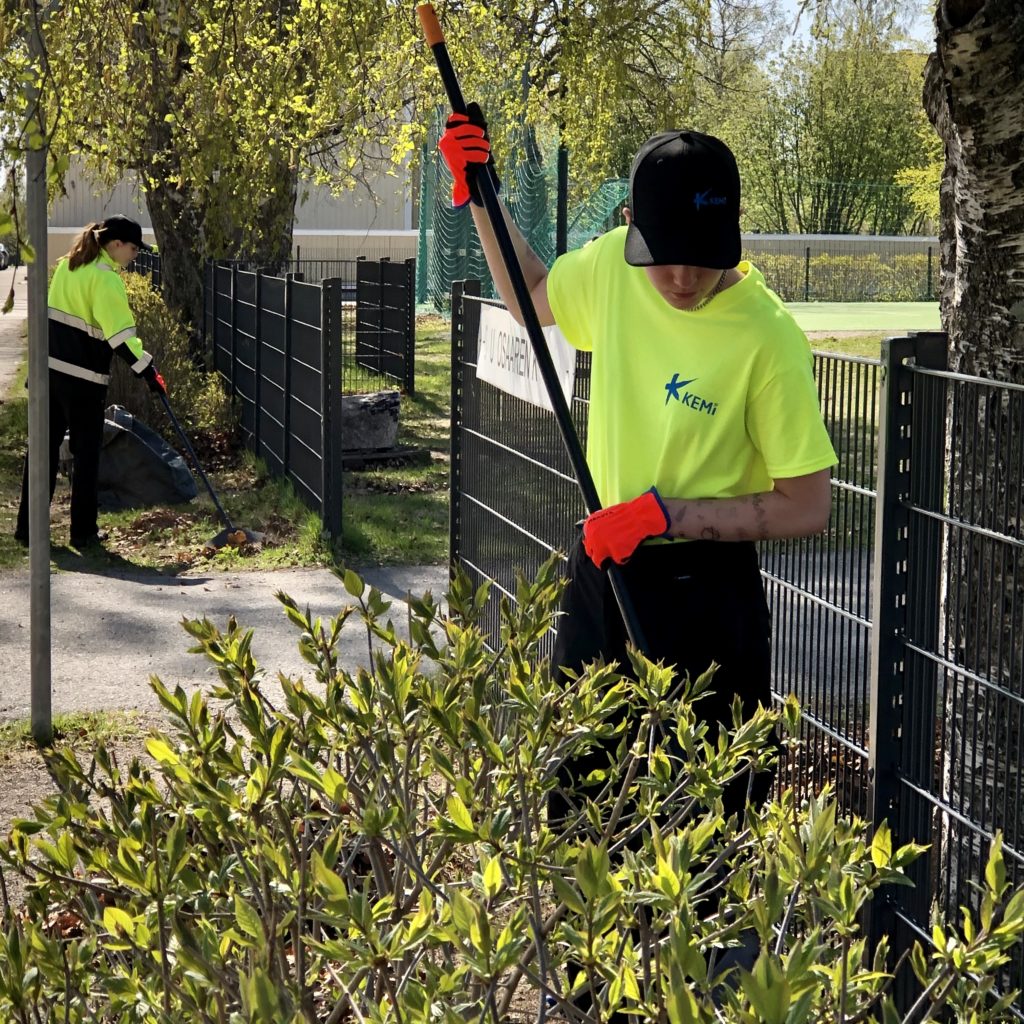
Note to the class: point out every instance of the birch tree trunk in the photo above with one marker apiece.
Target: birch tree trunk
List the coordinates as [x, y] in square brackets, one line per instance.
[974, 94]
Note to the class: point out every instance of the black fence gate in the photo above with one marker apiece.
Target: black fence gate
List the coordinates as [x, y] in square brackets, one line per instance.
[289, 350]
[386, 320]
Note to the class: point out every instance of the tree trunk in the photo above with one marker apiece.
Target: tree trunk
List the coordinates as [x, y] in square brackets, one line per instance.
[177, 225]
[974, 94]
[271, 243]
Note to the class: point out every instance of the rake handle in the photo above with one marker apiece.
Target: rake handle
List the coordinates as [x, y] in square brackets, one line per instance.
[489, 194]
[195, 460]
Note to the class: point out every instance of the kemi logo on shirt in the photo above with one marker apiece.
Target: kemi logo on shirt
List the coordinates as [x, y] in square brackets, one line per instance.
[678, 389]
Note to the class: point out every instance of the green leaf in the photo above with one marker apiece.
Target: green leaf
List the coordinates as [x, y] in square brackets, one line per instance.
[681, 1006]
[995, 870]
[463, 912]
[767, 989]
[333, 883]
[118, 922]
[248, 920]
[459, 817]
[881, 846]
[567, 894]
[592, 869]
[161, 751]
[492, 878]
[353, 583]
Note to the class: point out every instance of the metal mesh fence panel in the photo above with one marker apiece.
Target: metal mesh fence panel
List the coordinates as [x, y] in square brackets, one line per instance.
[819, 592]
[961, 769]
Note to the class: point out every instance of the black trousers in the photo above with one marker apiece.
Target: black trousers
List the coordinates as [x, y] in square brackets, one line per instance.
[697, 602]
[76, 406]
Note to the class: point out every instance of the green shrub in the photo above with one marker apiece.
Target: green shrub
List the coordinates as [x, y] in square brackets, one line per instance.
[860, 277]
[197, 397]
[374, 847]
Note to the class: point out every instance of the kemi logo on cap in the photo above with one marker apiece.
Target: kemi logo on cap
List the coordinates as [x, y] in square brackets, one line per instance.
[707, 199]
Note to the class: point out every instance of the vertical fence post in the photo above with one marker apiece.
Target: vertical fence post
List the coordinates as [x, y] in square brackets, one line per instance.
[409, 358]
[234, 326]
[928, 293]
[286, 454]
[807, 274]
[330, 383]
[460, 290]
[889, 604]
[257, 361]
[207, 294]
[905, 572]
[425, 217]
[381, 335]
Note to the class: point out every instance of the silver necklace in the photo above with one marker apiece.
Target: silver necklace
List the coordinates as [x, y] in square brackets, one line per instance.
[711, 294]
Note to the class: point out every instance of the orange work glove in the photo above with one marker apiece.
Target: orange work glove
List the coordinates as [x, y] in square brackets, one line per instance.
[466, 148]
[617, 531]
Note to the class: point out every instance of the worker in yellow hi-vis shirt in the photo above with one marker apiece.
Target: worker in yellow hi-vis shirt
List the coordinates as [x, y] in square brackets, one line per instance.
[705, 433]
[89, 323]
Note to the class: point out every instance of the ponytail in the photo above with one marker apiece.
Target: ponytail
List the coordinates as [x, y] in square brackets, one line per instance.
[86, 246]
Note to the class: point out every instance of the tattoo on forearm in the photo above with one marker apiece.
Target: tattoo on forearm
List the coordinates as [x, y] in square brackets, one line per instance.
[760, 515]
[710, 533]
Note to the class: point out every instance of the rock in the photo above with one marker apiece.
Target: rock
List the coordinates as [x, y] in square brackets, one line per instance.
[369, 422]
[138, 468]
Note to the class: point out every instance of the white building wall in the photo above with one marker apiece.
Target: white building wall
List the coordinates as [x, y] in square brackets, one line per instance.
[326, 226]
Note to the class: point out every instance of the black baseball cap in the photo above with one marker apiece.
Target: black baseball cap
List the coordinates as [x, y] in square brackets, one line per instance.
[684, 203]
[123, 229]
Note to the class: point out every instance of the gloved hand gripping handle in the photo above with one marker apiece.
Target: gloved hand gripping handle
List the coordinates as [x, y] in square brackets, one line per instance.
[488, 193]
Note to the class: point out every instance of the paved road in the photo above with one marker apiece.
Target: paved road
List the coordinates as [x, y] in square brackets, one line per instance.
[109, 634]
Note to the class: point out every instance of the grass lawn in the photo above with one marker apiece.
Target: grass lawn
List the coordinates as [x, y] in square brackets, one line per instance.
[891, 318]
[75, 729]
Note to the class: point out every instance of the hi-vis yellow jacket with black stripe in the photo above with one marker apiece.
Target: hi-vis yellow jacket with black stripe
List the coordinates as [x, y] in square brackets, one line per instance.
[90, 321]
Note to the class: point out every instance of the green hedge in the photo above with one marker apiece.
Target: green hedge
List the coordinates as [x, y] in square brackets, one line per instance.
[374, 848]
[867, 277]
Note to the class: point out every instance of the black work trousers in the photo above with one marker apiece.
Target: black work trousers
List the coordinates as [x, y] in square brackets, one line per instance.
[697, 602]
[76, 406]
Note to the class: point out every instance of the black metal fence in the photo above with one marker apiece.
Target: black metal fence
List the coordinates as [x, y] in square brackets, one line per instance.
[900, 629]
[289, 350]
[147, 263]
[378, 315]
[385, 325]
[277, 344]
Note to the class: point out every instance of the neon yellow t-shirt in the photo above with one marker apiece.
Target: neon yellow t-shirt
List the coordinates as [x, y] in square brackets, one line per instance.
[713, 403]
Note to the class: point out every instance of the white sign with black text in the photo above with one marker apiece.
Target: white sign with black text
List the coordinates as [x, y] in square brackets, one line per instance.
[505, 358]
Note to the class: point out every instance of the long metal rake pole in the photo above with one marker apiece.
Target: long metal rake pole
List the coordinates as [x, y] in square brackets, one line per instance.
[488, 192]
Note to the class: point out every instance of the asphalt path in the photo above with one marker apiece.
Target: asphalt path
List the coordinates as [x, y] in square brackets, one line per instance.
[109, 634]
